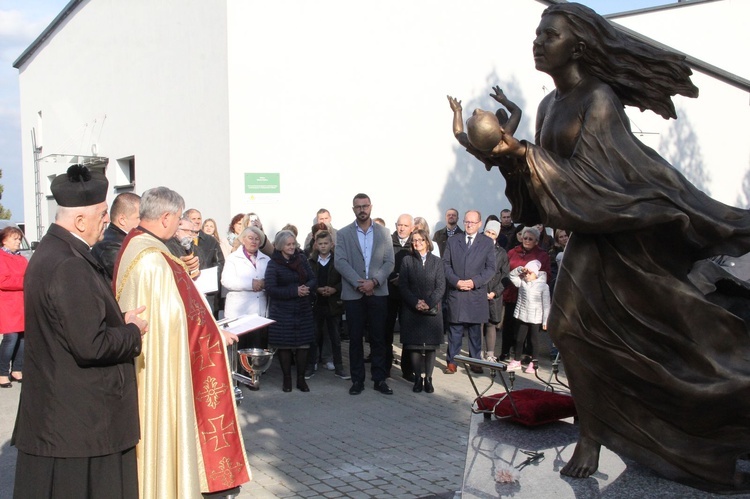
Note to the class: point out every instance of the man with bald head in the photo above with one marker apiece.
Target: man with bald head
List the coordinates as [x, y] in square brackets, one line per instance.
[401, 240]
[469, 262]
[123, 216]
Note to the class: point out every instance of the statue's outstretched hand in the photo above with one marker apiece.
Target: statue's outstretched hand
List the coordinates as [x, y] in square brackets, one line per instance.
[498, 94]
[455, 104]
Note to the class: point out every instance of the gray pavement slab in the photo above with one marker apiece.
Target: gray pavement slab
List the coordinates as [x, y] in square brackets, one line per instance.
[328, 443]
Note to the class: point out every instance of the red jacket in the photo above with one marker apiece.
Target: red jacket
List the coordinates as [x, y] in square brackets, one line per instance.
[517, 257]
[12, 270]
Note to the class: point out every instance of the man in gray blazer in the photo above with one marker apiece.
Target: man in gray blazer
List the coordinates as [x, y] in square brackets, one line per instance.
[364, 258]
[469, 261]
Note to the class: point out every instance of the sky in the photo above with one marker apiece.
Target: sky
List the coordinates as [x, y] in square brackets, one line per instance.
[21, 21]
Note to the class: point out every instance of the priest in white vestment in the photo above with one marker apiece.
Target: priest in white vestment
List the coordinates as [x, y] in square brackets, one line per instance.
[191, 444]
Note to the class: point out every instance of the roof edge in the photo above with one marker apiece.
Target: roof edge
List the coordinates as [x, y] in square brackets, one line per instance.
[674, 5]
[695, 63]
[67, 10]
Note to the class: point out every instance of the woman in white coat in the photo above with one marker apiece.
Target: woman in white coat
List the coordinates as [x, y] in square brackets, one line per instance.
[243, 278]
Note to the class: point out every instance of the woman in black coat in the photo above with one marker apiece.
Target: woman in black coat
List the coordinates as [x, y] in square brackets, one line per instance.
[289, 285]
[422, 285]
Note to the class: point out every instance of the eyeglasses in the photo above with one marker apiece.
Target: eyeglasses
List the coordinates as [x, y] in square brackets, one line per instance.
[469, 222]
[415, 241]
[361, 207]
[529, 238]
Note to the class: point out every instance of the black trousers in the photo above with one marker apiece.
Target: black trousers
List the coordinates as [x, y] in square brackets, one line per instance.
[369, 311]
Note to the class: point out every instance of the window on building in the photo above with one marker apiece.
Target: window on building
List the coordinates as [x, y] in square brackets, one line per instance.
[125, 175]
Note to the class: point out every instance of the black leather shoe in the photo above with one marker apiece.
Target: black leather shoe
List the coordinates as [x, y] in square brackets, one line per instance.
[6, 385]
[418, 385]
[356, 388]
[302, 385]
[383, 387]
[287, 384]
[428, 388]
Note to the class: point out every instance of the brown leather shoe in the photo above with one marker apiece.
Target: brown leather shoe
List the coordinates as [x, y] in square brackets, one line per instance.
[451, 369]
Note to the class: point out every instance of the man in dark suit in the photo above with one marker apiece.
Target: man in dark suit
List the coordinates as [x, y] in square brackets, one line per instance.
[77, 423]
[123, 217]
[364, 258]
[469, 262]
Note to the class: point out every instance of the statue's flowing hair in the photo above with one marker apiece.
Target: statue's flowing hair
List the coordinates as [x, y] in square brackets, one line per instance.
[640, 74]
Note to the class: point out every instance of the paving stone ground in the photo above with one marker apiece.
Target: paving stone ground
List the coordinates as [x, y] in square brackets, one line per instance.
[330, 444]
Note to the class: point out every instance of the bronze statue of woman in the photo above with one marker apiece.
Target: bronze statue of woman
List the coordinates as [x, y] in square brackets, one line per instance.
[660, 371]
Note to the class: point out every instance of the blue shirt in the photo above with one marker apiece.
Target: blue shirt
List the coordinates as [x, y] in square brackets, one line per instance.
[365, 244]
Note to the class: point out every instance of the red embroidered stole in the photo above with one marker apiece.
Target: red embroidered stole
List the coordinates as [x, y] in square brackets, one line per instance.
[213, 393]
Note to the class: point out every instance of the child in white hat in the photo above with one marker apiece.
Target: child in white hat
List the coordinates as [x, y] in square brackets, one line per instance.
[532, 307]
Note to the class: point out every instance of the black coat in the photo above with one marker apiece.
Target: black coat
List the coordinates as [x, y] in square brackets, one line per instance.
[294, 326]
[399, 252]
[211, 251]
[497, 284]
[425, 282]
[106, 250]
[441, 238]
[212, 256]
[79, 394]
[328, 306]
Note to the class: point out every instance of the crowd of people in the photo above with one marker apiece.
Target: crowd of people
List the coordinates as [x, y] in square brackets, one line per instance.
[309, 286]
[143, 262]
[125, 370]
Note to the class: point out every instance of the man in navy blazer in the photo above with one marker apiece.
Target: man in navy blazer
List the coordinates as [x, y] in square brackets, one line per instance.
[364, 258]
[469, 261]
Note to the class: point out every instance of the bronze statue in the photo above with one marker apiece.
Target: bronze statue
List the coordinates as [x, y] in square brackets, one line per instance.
[485, 130]
[659, 367]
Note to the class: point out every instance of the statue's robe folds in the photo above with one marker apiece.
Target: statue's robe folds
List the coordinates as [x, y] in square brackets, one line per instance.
[190, 435]
[659, 370]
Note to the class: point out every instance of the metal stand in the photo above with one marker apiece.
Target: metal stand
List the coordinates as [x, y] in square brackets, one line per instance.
[255, 361]
[238, 396]
[554, 374]
[496, 368]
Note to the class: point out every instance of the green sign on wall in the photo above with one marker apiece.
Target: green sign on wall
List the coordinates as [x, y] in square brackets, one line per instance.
[262, 183]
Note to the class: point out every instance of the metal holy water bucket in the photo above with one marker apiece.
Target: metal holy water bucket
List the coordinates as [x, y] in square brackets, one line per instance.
[255, 361]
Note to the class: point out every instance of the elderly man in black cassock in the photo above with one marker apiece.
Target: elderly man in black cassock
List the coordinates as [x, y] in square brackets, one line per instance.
[77, 423]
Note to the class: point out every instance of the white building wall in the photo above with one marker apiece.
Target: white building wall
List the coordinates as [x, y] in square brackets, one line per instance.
[342, 97]
[339, 99]
[137, 78]
[711, 131]
[335, 96]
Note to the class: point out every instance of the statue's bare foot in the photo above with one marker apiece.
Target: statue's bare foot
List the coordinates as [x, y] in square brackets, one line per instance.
[585, 460]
